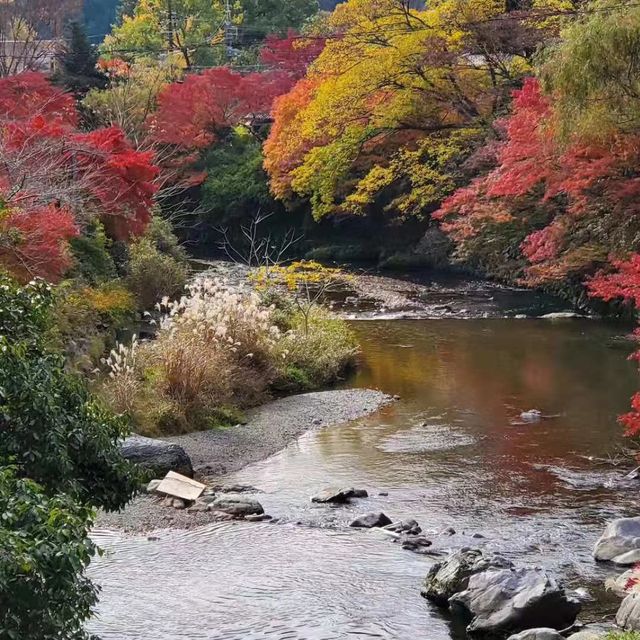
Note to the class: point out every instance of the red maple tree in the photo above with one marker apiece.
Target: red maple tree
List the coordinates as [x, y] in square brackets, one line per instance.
[55, 178]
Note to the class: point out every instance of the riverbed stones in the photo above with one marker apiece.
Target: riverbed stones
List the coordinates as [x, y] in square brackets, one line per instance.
[334, 495]
[541, 633]
[157, 456]
[452, 575]
[237, 505]
[511, 600]
[417, 544]
[258, 517]
[628, 616]
[410, 527]
[371, 520]
[619, 537]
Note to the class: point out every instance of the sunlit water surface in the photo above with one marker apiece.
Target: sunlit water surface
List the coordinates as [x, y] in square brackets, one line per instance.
[450, 453]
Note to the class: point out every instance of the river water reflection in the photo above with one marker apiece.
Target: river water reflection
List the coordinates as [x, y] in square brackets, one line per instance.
[448, 453]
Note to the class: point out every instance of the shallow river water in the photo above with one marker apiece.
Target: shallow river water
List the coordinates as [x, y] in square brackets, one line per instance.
[450, 453]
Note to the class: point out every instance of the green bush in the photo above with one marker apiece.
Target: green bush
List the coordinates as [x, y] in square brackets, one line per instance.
[153, 274]
[92, 260]
[319, 357]
[623, 635]
[160, 233]
[45, 550]
[237, 184]
[87, 320]
[59, 460]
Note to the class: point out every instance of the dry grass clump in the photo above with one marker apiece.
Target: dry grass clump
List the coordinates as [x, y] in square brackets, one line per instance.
[218, 350]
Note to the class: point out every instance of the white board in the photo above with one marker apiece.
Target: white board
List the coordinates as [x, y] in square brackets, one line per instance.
[179, 486]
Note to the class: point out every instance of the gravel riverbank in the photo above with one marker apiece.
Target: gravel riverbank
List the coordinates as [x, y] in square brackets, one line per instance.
[269, 429]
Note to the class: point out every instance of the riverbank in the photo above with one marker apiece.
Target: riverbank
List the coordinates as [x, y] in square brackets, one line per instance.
[269, 429]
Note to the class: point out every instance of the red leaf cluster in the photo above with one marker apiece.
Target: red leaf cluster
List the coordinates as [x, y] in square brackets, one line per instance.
[192, 113]
[54, 177]
[35, 242]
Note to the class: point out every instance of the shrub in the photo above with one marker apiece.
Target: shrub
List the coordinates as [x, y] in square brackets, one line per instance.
[59, 459]
[218, 349]
[319, 356]
[160, 233]
[45, 549]
[153, 274]
[92, 260]
[215, 348]
[87, 320]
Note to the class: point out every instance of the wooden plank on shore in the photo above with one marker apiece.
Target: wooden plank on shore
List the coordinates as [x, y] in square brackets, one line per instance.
[179, 486]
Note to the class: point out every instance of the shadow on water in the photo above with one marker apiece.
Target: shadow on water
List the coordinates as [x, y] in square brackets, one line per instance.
[448, 453]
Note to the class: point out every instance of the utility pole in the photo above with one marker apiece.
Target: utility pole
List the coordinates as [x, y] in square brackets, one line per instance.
[228, 36]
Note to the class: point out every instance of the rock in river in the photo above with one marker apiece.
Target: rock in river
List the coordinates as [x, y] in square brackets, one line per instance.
[452, 575]
[339, 496]
[409, 526]
[628, 616]
[541, 633]
[157, 456]
[619, 537]
[511, 600]
[237, 505]
[370, 520]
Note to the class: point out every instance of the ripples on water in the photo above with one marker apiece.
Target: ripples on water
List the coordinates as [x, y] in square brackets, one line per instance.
[448, 454]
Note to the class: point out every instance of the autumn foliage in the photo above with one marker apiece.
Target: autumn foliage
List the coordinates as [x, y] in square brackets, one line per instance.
[55, 178]
[192, 113]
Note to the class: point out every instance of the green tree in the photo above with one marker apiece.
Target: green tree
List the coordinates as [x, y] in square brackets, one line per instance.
[237, 185]
[263, 17]
[77, 63]
[59, 460]
[594, 73]
[191, 28]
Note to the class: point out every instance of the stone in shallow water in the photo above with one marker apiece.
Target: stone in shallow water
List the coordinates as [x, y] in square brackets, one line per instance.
[338, 495]
[628, 616]
[409, 526]
[237, 505]
[511, 600]
[370, 520]
[619, 536]
[452, 575]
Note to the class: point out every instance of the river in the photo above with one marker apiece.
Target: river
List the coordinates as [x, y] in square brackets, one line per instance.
[450, 453]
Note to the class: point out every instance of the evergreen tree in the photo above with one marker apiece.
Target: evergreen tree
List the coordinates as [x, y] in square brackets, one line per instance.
[77, 70]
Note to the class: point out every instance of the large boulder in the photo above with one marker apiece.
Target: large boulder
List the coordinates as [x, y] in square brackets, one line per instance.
[237, 505]
[370, 520]
[452, 575]
[511, 600]
[628, 616]
[620, 536]
[540, 633]
[158, 456]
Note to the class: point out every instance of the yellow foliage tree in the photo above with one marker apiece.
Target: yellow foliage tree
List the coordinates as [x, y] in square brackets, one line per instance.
[398, 99]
